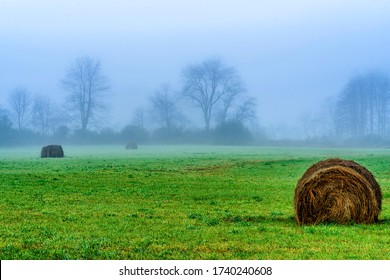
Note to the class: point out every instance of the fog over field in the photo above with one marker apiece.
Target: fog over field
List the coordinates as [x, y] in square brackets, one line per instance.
[293, 59]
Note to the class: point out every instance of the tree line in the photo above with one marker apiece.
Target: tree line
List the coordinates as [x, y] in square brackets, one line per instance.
[363, 106]
[358, 114]
[214, 91]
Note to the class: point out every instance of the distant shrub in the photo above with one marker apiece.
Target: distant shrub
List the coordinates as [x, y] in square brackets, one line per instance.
[136, 133]
[232, 133]
[172, 135]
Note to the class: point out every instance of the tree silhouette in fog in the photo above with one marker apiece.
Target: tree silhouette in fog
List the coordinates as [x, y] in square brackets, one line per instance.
[163, 108]
[20, 104]
[363, 105]
[210, 84]
[86, 85]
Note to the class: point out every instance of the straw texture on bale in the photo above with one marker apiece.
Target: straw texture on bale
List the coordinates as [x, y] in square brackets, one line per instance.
[337, 190]
[55, 151]
[351, 164]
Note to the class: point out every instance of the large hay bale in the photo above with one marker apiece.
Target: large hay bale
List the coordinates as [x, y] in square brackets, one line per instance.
[55, 151]
[337, 191]
[346, 163]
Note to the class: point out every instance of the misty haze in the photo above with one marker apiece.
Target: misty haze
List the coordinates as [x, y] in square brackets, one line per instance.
[194, 130]
[186, 72]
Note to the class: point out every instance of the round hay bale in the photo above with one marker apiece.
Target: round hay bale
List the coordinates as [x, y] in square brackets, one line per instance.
[335, 194]
[54, 151]
[131, 146]
[346, 163]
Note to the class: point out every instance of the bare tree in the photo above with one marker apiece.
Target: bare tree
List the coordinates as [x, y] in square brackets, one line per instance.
[330, 115]
[5, 127]
[5, 122]
[208, 83]
[44, 115]
[20, 104]
[246, 111]
[379, 96]
[87, 86]
[363, 105]
[163, 107]
[139, 117]
[311, 124]
[227, 103]
[351, 108]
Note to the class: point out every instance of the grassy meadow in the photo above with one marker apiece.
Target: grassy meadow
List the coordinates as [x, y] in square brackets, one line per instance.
[175, 202]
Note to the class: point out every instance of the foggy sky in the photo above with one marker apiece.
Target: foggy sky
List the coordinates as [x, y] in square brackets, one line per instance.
[291, 55]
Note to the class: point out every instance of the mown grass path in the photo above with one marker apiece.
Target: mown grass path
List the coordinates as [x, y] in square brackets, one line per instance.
[175, 202]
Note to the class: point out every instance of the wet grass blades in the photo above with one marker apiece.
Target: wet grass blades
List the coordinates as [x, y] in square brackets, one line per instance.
[225, 204]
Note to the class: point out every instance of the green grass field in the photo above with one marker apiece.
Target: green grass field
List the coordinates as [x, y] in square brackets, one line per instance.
[175, 202]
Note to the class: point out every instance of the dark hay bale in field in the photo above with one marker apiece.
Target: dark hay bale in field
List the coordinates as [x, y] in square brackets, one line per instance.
[347, 163]
[131, 146]
[335, 193]
[55, 151]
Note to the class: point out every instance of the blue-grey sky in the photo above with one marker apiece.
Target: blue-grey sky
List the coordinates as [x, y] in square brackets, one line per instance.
[291, 55]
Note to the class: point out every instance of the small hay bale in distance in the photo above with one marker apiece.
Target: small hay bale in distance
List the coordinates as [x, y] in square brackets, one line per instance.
[337, 190]
[52, 151]
[131, 146]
